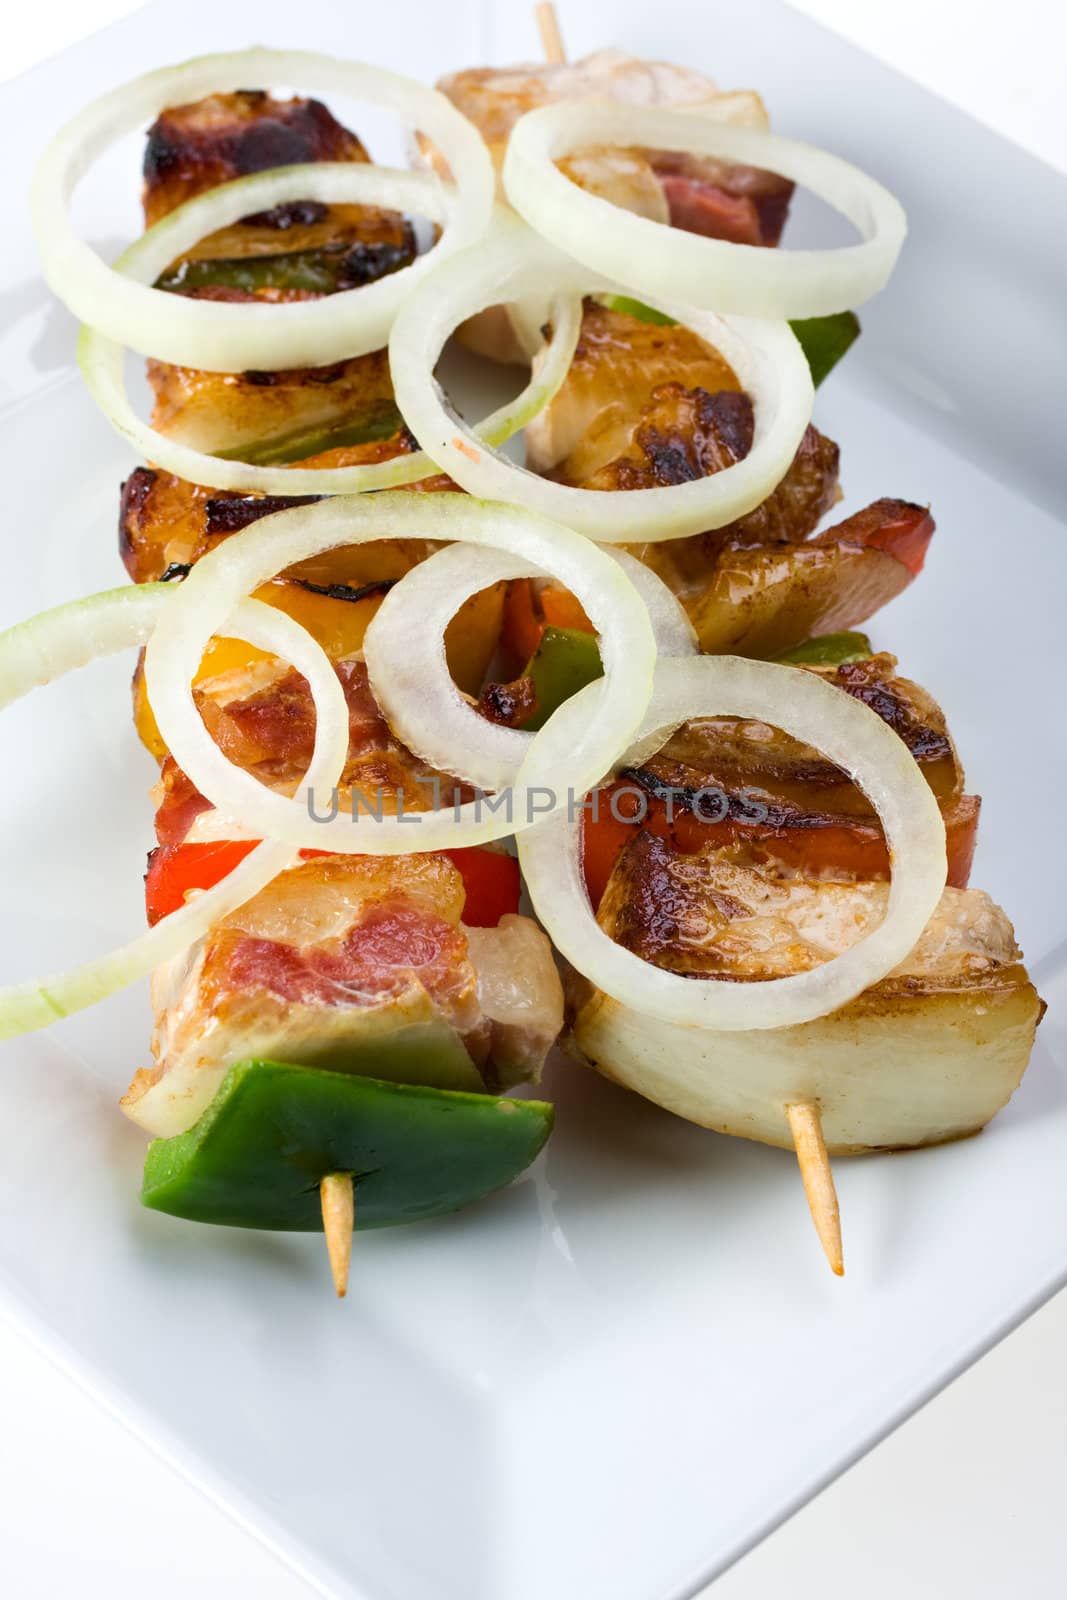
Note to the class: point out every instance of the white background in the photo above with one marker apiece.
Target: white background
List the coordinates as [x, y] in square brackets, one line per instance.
[965, 1500]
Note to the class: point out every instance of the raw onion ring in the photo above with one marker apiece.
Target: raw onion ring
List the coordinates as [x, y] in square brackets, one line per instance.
[671, 627]
[841, 728]
[745, 279]
[513, 265]
[101, 361]
[46, 647]
[405, 655]
[248, 559]
[229, 337]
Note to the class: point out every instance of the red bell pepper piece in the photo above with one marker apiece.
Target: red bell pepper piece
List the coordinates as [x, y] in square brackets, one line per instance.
[490, 878]
[812, 843]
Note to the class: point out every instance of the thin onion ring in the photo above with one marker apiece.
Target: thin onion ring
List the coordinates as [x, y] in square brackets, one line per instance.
[56, 642]
[745, 279]
[404, 651]
[101, 359]
[514, 264]
[671, 627]
[849, 734]
[250, 558]
[220, 336]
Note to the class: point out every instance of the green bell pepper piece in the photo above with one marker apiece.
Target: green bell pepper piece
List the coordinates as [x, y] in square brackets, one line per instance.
[323, 270]
[823, 340]
[829, 650]
[564, 662]
[257, 1155]
[381, 422]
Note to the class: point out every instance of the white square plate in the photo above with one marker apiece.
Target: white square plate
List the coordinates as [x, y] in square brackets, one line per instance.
[613, 1378]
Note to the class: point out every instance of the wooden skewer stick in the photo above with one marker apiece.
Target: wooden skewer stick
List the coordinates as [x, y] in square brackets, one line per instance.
[338, 1199]
[806, 1127]
[548, 27]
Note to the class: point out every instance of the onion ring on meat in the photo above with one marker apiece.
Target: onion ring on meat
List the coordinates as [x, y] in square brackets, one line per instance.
[846, 731]
[218, 581]
[745, 279]
[513, 265]
[219, 336]
[101, 359]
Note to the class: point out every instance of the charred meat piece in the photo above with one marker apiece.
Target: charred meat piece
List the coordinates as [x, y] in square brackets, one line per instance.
[271, 733]
[724, 781]
[619, 363]
[224, 136]
[680, 435]
[726, 913]
[737, 753]
[165, 521]
[788, 516]
[268, 729]
[648, 404]
[762, 601]
[292, 252]
[644, 407]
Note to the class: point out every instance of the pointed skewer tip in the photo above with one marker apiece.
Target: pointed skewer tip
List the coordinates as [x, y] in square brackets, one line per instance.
[548, 27]
[337, 1195]
[806, 1127]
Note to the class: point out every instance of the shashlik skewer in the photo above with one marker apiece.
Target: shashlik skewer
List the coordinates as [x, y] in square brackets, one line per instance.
[885, 550]
[321, 966]
[303, 272]
[618, 388]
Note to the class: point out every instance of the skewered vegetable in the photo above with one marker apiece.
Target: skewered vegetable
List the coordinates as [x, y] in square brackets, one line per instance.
[258, 1155]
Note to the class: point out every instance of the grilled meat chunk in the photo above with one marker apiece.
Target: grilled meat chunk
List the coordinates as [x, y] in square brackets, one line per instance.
[725, 781]
[342, 961]
[263, 718]
[619, 362]
[645, 407]
[292, 252]
[224, 136]
[716, 430]
[271, 732]
[929, 1054]
[697, 193]
[274, 418]
[729, 912]
[736, 754]
[355, 963]
[165, 521]
[762, 601]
